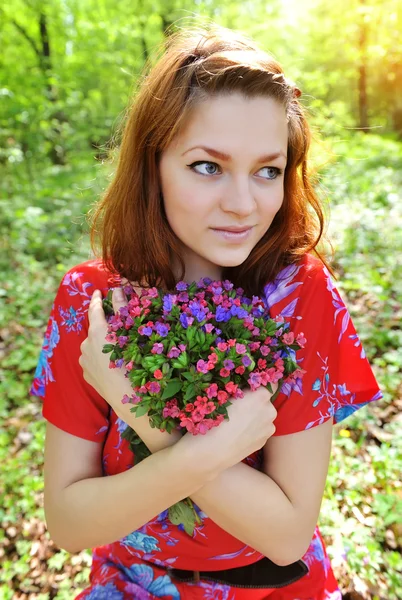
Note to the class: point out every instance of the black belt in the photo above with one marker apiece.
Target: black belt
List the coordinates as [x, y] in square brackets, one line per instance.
[261, 574]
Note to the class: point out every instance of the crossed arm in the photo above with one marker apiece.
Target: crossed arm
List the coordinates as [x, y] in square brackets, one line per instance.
[275, 511]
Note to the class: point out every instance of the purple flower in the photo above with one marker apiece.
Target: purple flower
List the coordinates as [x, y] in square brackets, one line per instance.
[222, 314]
[246, 360]
[184, 320]
[227, 285]
[122, 340]
[154, 387]
[162, 329]
[202, 366]
[173, 352]
[254, 379]
[157, 348]
[147, 331]
[228, 364]
[197, 311]
[168, 301]
[181, 286]
[119, 362]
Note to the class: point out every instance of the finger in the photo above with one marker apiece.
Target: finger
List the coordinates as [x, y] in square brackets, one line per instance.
[95, 310]
[119, 299]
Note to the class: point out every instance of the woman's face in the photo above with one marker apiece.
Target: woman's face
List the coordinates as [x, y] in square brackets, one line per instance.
[231, 182]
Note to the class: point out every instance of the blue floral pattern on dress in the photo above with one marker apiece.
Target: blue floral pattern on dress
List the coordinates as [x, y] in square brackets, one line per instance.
[43, 371]
[105, 592]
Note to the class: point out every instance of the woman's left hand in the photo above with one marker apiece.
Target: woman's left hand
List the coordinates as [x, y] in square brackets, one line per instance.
[112, 384]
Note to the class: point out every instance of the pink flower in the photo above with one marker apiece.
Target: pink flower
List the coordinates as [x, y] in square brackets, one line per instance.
[240, 369]
[222, 397]
[254, 380]
[197, 415]
[224, 373]
[189, 407]
[129, 365]
[173, 352]
[262, 363]
[213, 358]
[222, 346]
[209, 408]
[288, 338]
[202, 427]
[158, 374]
[231, 388]
[241, 349]
[157, 348]
[111, 338]
[129, 322]
[200, 400]
[153, 387]
[188, 424]
[171, 409]
[202, 366]
[212, 390]
[301, 340]
[217, 421]
[265, 350]
[209, 327]
[231, 343]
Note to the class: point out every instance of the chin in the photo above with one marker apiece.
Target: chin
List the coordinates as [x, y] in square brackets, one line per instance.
[230, 261]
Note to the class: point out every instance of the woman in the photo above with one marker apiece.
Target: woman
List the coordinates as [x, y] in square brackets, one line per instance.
[216, 140]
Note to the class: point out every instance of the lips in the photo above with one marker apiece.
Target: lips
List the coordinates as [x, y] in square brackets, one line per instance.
[233, 229]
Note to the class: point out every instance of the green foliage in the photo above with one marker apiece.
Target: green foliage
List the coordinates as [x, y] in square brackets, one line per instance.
[58, 114]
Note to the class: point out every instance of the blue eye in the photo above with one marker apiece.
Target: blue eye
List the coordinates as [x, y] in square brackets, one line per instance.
[202, 162]
[276, 171]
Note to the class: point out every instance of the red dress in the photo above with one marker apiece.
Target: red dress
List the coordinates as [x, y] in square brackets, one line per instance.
[338, 381]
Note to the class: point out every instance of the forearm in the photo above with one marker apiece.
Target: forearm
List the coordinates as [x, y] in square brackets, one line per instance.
[98, 511]
[252, 507]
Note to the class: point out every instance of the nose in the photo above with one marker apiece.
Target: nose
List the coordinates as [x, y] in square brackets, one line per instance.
[238, 198]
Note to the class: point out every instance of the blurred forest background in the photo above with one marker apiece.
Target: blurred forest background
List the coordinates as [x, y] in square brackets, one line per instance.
[67, 69]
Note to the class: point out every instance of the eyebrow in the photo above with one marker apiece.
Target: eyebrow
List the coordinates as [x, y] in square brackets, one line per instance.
[227, 157]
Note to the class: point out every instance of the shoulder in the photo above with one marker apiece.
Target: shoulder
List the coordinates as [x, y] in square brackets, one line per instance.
[301, 281]
[82, 279]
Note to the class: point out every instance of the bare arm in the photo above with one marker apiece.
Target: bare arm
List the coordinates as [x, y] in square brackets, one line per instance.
[274, 511]
[85, 509]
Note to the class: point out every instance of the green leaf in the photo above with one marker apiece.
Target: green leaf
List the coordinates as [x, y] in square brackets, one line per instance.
[107, 348]
[171, 389]
[188, 376]
[182, 514]
[141, 410]
[190, 392]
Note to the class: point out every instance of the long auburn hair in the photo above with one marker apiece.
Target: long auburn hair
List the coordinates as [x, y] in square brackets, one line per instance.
[197, 63]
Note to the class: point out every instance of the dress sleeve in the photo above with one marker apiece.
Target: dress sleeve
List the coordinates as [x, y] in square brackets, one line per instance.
[338, 378]
[69, 402]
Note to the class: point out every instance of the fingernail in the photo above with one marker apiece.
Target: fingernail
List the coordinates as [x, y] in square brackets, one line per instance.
[118, 294]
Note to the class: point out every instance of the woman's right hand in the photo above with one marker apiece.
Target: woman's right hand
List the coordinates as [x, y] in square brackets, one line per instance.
[250, 425]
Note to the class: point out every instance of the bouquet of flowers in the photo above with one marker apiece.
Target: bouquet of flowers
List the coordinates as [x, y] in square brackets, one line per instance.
[188, 354]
